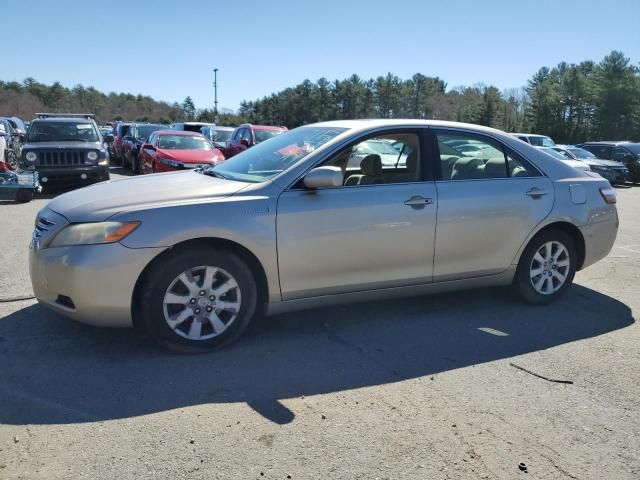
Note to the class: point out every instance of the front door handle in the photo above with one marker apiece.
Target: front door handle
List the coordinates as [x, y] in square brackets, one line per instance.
[536, 192]
[418, 201]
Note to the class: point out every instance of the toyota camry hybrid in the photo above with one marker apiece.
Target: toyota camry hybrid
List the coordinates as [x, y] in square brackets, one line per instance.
[193, 256]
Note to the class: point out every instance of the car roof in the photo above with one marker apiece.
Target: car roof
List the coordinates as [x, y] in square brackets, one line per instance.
[223, 128]
[178, 132]
[364, 124]
[528, 134]
[604, 142]
[64, 119]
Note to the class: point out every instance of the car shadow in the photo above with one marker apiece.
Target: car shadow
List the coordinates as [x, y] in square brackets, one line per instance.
[55, 371]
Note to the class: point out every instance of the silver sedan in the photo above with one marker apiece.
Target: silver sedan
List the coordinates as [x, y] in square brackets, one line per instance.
[192, 257]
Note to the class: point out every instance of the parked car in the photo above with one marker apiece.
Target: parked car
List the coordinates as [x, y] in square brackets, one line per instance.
[134, 139]
[170, 150]
[615, 172]
[190, 126]
[583, 167]
[247, 135]
[625, 152]
[218, 136]
[12, 141]
[120, 131]
[535, 140]
[192, 257]
[66, 150]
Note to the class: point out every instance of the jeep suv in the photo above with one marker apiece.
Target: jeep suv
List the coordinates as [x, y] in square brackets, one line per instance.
[66, 149]
[247, 135]
[624, 152]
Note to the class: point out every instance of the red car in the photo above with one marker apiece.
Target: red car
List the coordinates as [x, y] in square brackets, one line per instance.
[247, 135]
[171, 150]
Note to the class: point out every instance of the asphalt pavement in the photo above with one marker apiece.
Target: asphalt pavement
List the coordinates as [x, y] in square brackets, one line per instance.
[462, 385]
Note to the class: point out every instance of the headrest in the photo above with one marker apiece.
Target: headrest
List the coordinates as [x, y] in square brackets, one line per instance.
[371, 165]
[412, 161]
[495, 168]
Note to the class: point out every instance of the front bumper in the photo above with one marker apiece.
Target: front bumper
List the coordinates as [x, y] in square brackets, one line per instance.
[73, 175]
[92, 284]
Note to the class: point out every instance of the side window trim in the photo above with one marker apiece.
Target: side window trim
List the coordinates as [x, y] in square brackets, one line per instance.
[425, 156]
[506, 150]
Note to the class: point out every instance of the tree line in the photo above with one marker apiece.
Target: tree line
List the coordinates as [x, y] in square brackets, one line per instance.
[569, 102]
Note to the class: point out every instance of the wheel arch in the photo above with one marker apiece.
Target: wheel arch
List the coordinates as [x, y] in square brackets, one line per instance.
[243, 252]
[566, 227]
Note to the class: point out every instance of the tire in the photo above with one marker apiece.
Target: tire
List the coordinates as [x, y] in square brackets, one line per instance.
[24, 196]
[546, 287]
[11, 159]
[135, 168]
[163, 283]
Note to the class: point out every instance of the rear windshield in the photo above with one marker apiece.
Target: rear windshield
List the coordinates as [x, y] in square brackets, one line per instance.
[582, 153]
[52, 131]
[192, 128]
[184, 142]
[542, 142]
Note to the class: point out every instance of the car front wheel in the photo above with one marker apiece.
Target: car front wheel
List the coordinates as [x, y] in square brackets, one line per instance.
[198, 299]
[546, 268]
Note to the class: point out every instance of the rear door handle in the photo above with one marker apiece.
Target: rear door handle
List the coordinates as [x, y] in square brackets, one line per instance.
[418, 201]
[536, 192]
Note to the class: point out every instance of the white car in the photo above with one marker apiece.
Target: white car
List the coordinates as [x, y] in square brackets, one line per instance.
[577, 164]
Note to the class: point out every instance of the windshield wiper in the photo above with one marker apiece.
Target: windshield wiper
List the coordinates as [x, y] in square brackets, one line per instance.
[212, 173]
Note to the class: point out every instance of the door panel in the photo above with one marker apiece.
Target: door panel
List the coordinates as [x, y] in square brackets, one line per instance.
[348, 239]
[483, 223]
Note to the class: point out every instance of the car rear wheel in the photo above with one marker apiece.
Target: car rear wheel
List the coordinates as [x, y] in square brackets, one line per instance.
[546, 268]
[198, 300]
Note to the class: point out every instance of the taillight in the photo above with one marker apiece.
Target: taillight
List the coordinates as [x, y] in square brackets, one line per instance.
[608, 194]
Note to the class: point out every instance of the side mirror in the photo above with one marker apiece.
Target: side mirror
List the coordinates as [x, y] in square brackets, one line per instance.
[324, 177]
[148, 146]
[244, 142]
[108, 138]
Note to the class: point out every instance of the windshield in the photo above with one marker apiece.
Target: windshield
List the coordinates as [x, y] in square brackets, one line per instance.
[62, 132]
[184, 142]
[146, 130]
[582, 153]
[633, 148]
[555, 154]
[268, 159]
[542, 142]
[262, 135]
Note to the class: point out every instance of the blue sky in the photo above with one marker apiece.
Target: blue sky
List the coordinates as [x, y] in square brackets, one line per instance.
[167, 49]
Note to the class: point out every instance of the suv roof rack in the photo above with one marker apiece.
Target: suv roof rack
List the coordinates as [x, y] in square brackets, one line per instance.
[65, 115]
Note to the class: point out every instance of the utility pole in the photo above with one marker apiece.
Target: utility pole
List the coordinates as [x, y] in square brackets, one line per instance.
[215, 95]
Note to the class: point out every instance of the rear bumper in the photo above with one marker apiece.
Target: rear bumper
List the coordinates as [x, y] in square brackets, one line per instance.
[599, 237]
[73, 175]
[92, 284]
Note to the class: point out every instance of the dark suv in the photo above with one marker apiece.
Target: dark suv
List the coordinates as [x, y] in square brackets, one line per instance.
[625, 152]
[66, 149]
[134, 139]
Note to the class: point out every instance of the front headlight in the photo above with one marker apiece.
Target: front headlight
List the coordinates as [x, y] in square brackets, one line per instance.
[31, 157]
[171, 163]
[93, 233]
[92, 156]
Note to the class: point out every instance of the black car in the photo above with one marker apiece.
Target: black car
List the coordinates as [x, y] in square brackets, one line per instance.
[625, 152]
[135, 137]
[66, 150]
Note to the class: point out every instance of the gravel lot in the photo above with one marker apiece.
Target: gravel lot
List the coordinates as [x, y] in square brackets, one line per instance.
[416, 388]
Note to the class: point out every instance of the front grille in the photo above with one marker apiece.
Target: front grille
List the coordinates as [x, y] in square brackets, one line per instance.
[61, 158]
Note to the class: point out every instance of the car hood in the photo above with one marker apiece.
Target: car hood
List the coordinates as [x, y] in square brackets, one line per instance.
[60, 145]
[188, 156]
[98, 202]
[601, 163]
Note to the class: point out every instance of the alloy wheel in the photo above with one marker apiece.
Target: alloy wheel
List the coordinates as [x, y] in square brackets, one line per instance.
[549, 267]
[202, 303]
